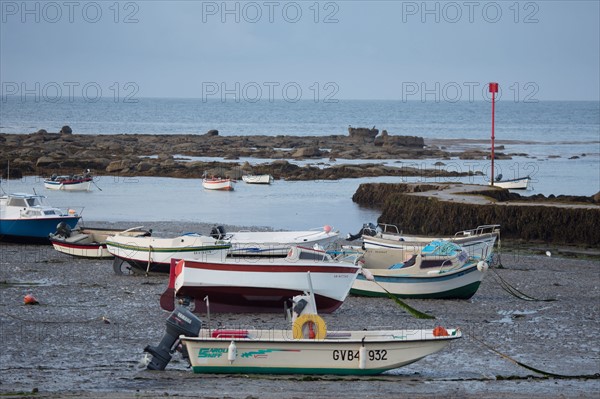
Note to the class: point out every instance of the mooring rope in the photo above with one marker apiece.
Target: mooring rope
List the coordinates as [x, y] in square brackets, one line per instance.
[416, 313]
[514, 291]
[534, 369]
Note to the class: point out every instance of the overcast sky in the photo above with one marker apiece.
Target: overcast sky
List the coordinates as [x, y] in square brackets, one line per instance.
[357, 49]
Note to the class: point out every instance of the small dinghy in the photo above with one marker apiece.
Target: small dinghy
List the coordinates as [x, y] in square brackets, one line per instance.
[308, 347]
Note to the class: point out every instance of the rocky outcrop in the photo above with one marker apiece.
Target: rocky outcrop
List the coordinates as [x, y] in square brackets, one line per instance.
[427, 209]
[362, 134]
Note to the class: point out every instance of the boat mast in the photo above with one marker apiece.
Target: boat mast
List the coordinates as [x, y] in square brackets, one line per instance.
[493, 90]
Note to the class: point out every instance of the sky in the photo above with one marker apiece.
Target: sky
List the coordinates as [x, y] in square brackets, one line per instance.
[391, 50]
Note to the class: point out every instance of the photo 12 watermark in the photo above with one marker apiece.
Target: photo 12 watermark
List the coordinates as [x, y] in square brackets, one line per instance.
[452, 92]
[53, 12]
[453, 12]
[252, 92]
[54, 92]
[253, 12]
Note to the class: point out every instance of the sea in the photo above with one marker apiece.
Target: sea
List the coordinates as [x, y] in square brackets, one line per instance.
[557, 143]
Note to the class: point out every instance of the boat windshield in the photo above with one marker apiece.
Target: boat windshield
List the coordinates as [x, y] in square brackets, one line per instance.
[34, 201]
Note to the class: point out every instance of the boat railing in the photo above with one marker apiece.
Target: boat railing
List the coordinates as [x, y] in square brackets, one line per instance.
[389, 228]
[479, 230]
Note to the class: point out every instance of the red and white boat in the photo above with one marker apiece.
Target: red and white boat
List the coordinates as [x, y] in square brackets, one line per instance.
[217, 183]
[260, 284]
[70, 182]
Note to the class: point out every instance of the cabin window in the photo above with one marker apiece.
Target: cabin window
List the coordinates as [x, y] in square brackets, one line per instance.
[49, 213]
[311, 256]
[20, 202]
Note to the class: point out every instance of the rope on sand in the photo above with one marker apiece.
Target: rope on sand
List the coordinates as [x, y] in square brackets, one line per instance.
[514, 291]
[534, 369]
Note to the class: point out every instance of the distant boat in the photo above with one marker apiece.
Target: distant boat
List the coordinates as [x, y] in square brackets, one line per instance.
[28, 218]
[217, 183]
[70, 182]
[521, 183]
[257, 179]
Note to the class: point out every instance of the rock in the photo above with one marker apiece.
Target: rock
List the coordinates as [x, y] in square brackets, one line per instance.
[41, 131]
[44, 161]
[212, 132]
[117, 166]
[143, 166]
[15, 173]
[596, 197]
[66, 130]
[307, 152]
[363, 134]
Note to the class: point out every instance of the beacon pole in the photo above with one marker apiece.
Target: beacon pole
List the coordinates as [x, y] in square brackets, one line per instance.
[493, 90]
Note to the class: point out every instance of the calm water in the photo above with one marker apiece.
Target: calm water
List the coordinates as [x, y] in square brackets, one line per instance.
[552, 121]
[548, 132]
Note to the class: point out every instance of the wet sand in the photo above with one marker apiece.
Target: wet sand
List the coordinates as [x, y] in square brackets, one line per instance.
[63, 348]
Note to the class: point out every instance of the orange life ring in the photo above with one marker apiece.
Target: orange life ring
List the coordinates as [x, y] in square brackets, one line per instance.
[309, 326]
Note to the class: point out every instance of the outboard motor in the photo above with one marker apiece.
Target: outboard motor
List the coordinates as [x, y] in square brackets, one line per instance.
[217, 232]
[180, 322]
[63, 229]
[368, 229]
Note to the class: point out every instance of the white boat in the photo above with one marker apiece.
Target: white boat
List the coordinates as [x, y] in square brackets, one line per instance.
[441, 270]
[257, 179]
[273, 243]
[217, 183]
[307, 348]
[28, 218]
[152, 254]
[89, 242]
[521, 183]
[260, 284]
[70, 182]
[478, 242]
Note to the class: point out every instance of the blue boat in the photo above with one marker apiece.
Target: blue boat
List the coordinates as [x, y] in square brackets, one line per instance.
[28, 218]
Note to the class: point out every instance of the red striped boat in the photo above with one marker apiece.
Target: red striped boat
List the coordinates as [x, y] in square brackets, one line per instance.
[260, 284]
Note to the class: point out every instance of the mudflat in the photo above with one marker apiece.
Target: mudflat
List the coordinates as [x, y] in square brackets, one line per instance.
[86, 336]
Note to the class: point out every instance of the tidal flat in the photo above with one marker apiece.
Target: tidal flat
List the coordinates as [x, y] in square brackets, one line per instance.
[86, 336]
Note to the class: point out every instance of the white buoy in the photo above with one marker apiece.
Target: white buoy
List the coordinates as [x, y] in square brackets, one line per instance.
[482, 266]
[548, 254]
[362, 358]
[231, 352]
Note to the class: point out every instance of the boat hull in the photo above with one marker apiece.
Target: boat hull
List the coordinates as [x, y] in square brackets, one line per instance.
[150, 254]
[263, 285]
[382, 253]
[459, 284]
[277, 243]
[91, 242]
[34, 230]
[97, 251]
[221, 184]
[277, 352]
[68, 186]
[515, 184]
[257, 179]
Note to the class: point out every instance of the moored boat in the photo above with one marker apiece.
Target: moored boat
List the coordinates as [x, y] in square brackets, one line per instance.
[307, 348]
[152, 254]
[260, 284]
[478, 242]
[257, 179]
[217, 183]
[28, 218]
[440, 270]
[274, 243]
[521, 183]
[89, 242]
[70, 182]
